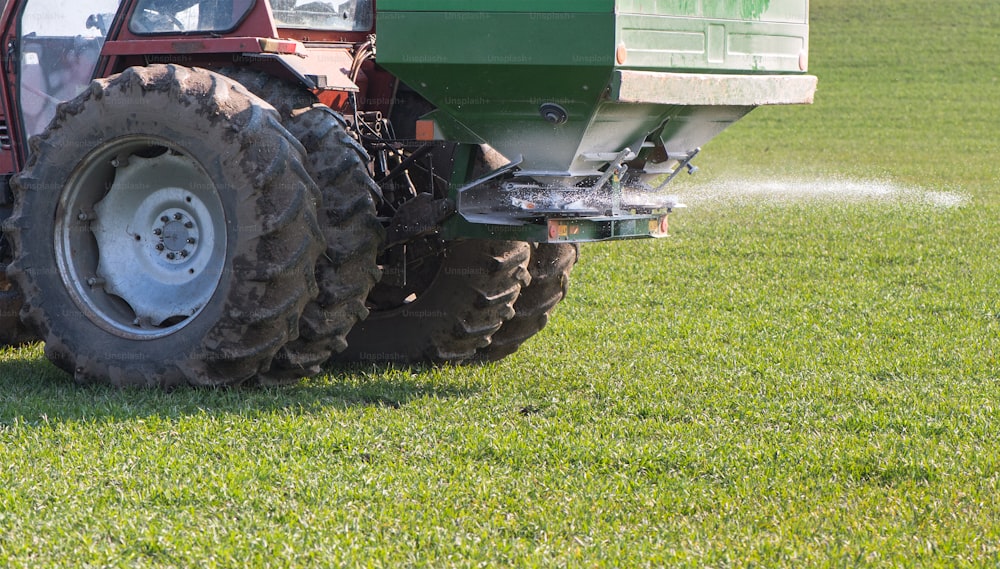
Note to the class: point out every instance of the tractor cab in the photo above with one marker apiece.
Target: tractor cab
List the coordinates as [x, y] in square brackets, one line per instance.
[60, 45]
[349, 16]
[220, 16]
[190, 16]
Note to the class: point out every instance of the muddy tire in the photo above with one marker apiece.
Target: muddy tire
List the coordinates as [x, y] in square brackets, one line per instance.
[164, 232]
[550, 266]
[348, 270]
[457, 296]
[12, 330]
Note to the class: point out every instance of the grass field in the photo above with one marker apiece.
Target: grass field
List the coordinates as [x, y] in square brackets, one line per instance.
[806, 374]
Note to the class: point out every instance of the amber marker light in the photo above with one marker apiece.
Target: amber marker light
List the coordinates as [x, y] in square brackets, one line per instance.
[425, 130]
[621, 54]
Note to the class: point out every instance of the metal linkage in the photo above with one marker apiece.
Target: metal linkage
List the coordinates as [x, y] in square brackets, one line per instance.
[685, 163]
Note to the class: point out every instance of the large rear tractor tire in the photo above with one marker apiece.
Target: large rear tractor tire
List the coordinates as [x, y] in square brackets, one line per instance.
[165, 232]
[550, 267]
[440, 302]
[348, 270]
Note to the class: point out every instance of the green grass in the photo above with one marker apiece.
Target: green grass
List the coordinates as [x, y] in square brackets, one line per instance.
[780, 384]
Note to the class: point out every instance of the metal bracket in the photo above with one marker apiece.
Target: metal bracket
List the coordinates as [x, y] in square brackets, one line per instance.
[614, 167]
[11, 58]
[505, 169]
[498, 173]
[422, 215]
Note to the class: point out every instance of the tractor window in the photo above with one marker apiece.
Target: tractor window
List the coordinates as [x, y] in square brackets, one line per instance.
[352, 15]
[180, 16]
[60, 45]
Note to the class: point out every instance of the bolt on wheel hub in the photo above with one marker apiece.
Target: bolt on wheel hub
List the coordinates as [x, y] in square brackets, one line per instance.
[175, 235]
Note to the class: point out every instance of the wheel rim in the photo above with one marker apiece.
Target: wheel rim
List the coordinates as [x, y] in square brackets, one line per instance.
[141, 238]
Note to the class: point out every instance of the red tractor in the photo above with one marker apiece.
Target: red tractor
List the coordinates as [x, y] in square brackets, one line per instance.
[217, 192]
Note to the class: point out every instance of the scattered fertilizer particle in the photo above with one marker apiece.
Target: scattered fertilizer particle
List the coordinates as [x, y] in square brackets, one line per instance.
[749, 191]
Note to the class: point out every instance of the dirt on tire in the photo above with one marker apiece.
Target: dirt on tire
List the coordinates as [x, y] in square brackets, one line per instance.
[348, 270]
[469, 297]
[550, 267]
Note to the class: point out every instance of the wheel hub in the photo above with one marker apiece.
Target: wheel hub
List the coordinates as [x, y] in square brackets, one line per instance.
[175, 235]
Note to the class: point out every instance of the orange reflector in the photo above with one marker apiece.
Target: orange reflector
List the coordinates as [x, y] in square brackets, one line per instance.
[659, 227]
[561, 230]
[425, 130]
[621, 54]
[268, 45]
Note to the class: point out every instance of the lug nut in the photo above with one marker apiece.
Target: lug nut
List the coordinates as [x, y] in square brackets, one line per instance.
[171, 256]
[164, 219]
[184, 254]
[157, 231]
[189, 225]
[178, 216]
[160, 247]
[191, 240]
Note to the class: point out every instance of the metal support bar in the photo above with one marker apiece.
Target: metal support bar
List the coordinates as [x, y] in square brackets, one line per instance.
[613, 167]
[498, 173]
[686, 163]
[563, 230]
[406, 163]
[616, 190]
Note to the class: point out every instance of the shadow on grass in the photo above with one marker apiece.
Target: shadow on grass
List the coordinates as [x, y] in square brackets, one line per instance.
[32, 389]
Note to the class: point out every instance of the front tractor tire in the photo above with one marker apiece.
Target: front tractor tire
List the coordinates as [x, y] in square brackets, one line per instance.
[164, 232]
[459, 301]
[550, 267]
[440, 302]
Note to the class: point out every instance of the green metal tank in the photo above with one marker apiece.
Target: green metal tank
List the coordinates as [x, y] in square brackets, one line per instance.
[571, 86]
